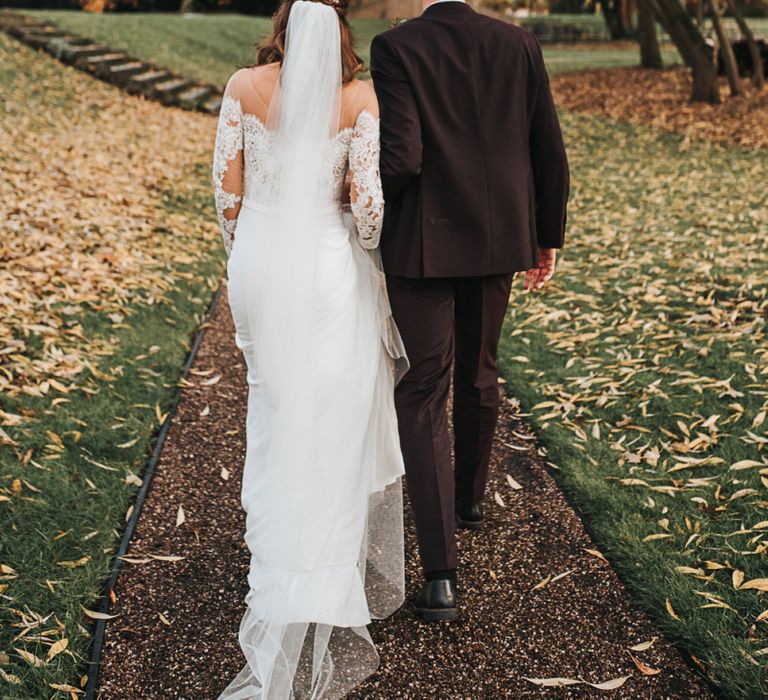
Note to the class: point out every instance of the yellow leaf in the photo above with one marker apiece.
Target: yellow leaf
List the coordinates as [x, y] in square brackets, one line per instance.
[643, 646]
[57, 648]
[671, 610]
[78, 562]
[611, 684]
[657, 536]
[29, 657]
[757, 584]
[595, 553]
[166, 557]
[553, 682]
[95, 615]
[66, 688]
[642, 667]
[745, 464]
[164, 619]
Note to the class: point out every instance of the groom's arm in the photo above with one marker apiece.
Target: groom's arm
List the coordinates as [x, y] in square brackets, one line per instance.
[548, 159]
[400, 125]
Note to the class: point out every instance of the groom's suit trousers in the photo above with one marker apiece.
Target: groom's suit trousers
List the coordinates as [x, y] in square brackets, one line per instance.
[450, 326]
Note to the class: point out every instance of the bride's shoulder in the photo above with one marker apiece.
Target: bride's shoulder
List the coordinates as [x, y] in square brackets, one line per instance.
[361, 97]
[250, 77]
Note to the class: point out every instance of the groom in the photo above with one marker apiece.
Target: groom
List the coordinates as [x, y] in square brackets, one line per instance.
[476, 183]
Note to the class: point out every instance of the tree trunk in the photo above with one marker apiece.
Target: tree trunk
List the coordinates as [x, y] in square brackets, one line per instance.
[615, 14]
[731, 70]
[700, 14]
[758, 71]
[650, 53]
[692, 47]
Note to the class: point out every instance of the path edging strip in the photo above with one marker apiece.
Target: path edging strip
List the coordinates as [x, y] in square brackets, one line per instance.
[109, 585]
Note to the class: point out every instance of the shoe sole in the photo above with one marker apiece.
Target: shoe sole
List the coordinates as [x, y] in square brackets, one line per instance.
[435, 615]
[469, 524]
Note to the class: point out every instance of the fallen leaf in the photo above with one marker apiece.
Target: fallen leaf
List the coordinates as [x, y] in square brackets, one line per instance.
[553, 682]
[166, 557]
[29, 657]
[596, 553]
[642, 667]
[612, 684]
[643, 646]
[95, 615]
[758, 584]
[164, 619]
[57, 648]
[671, 610]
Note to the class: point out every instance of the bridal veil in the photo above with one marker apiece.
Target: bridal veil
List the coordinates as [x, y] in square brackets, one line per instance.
[321, 486]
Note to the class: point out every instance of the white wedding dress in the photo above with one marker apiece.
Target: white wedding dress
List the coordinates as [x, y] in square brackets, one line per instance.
[321, 482]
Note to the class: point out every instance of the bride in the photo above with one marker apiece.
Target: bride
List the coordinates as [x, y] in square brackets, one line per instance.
[321, 481]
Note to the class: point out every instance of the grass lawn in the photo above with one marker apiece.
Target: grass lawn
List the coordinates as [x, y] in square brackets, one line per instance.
[644, 367]
[211, 47]
[109, 258]
[208, 47]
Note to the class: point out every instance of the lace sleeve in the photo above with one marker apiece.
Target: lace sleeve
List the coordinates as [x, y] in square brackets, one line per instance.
[228, 167]
[367, 200]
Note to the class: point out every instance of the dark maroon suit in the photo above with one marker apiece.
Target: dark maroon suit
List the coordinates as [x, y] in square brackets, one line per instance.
[475, 177]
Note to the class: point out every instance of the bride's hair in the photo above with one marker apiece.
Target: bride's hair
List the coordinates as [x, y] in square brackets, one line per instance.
[273, 48]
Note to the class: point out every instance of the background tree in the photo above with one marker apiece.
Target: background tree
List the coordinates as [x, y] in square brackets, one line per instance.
[726, 50]
[758, 71]
[650, 53]
[692, 47]
[618, 17]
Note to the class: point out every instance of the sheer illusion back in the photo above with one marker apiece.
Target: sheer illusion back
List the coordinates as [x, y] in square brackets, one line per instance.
[246, 162]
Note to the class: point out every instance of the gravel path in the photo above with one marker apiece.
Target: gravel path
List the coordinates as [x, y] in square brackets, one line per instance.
[176, 631]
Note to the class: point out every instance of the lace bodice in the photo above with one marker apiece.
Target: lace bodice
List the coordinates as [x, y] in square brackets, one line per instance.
[245, 165]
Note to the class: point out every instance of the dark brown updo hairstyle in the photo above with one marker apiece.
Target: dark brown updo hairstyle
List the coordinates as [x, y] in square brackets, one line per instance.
[271, 50]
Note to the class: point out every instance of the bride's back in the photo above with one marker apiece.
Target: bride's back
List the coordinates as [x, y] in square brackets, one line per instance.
[255, 86]
[244, 113]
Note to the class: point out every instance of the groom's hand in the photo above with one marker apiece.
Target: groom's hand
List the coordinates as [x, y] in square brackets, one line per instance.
[545, 268]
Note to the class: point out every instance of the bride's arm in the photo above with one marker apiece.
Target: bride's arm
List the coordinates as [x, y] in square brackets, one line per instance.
[228, 163]
[366, 198]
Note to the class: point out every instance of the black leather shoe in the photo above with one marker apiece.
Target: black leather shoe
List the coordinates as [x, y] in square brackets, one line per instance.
[437, 600]
[469, 517]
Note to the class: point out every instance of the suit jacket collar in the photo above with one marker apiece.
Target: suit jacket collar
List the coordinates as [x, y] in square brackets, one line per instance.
[447, 8]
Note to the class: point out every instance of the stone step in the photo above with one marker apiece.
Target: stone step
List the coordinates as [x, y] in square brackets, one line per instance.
[127, 72]
[38, 37]
[94, 62]
[69, 53]
[212, 106]
[19, 29]
[142, 82]
[57, 45]
[74, 40]
[121, 73]
[168, 90]
[193, 97]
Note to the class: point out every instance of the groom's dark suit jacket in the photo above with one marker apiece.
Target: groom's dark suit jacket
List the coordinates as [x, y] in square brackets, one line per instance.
[473, 164]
